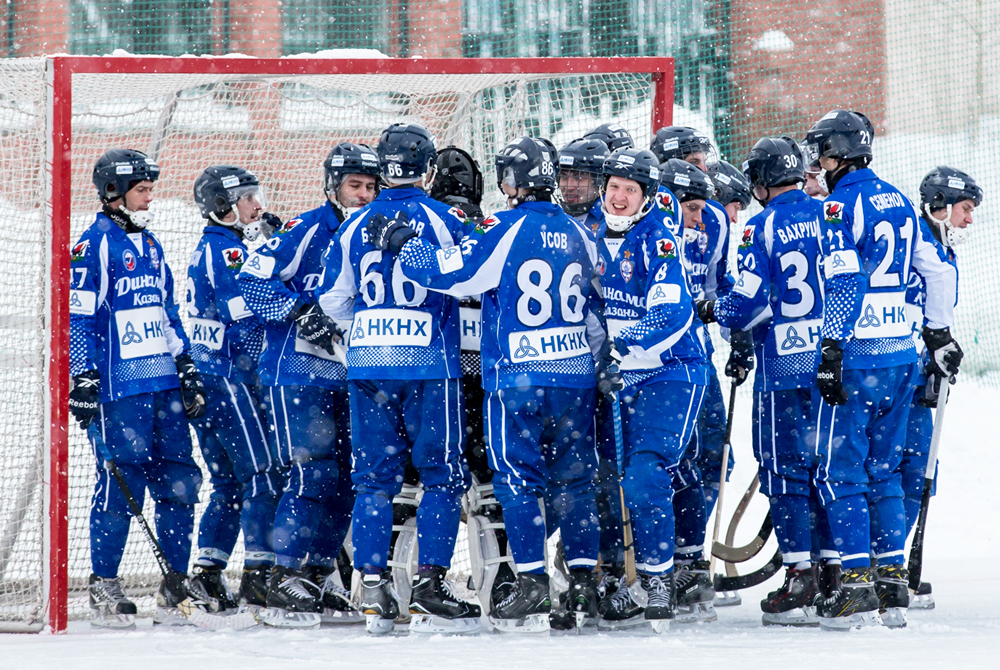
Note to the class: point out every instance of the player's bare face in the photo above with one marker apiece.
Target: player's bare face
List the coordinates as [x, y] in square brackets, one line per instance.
[733, 209]
[691, 210]
[577, 187]
[249, 208]
[622, 197]
[138, 197]
[357, 190]
[698, 160]
[961, 213]
[812, 187]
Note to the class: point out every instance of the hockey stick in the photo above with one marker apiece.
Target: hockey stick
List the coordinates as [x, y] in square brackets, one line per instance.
[197, 616]
[724, 470]
[759, 576]
[916, 562]
[616, 414]
[731, 554]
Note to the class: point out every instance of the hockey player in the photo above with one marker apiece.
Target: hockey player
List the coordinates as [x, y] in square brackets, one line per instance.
[948, 198]
[538, 369]
[871, 239]
[305, 396]
[406, 390]
[778, 296]
[650, 317]
[133, 383]
[613, 135]
[226, 339]
[580, 178]
[732, 190]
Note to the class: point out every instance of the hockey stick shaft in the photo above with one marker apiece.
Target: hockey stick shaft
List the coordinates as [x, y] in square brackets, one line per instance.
[916, 563]
[723, 471]
[616, 414]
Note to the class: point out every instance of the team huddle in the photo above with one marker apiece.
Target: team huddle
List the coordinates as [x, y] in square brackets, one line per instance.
[396, 360]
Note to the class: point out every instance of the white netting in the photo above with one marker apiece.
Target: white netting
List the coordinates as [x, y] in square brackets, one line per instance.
[281, 128]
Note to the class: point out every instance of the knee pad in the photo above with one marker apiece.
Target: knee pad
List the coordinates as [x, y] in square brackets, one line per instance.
[647, 482]
[488, 549]
[402, 560]
[886, 488]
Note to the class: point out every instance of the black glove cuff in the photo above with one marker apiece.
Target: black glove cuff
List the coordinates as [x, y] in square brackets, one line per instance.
[935, 338]
[398, 236]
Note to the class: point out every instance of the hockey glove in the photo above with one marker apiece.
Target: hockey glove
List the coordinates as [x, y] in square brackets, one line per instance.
[607, 371]
[269, 224]
[192, 390]
[741, 359]
[84, 397]
[829, 377]
[932, 390]
[945, 354]
[317, 328]
[706, 310]
[390, 234]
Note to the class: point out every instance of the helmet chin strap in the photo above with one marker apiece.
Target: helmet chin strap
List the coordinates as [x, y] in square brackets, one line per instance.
[140, 218]
[950, 235]
[622, 224]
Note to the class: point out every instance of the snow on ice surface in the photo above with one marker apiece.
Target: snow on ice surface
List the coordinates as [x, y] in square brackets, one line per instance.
[963, 632]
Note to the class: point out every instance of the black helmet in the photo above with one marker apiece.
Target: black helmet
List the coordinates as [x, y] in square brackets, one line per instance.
[584, 155]
[774, 161]
[406, 152]
[680, 142]
[843, 135]
[118, 170]
[218, 188]
[639, 165]
[529, 163]
[730, 184]
[686, 181]
[347, 158]
[459, 175]
[945, 186]
[613, 135]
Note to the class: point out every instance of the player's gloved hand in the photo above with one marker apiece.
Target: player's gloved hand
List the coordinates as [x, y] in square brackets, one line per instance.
[607, 370]
[945, 354]
[192, 389]
[741, 357]
[829, 377]
[932, 390]
[706, 310]
[317, 328]
[389, 234]
[269, 224]
[84, 397]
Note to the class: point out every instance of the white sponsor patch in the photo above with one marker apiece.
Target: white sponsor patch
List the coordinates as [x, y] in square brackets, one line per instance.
[654, 173]
[140, 332]
[663, 294]
[882, 315]
[548, 344]
[670, 144]
[748, 285]
[123, 169]
[565, 160]
[337, 161]
[391, 328]
[682, 180]
[450, 259]
[797, 337]
[208, 333]
[83, 302]
[956, 183]
[723, 178]
[471, 323]
[842, 263]
[259, 266]
[230, 181]
[628, 160]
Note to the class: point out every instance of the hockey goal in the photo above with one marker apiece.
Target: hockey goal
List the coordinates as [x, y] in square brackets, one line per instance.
[276, 117]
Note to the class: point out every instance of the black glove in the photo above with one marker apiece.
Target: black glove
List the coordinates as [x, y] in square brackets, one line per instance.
[741, 358]
[192, 390]
[389, 234]
[609, 376]
[706, 311]
[84, 397]
[269, 224]
[829, 376]
[945, 354]
[317, 328]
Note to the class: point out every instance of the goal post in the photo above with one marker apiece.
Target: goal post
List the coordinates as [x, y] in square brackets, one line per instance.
[277, 117]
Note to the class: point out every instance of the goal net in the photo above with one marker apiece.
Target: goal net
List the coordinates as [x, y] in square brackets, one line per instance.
[278, 118]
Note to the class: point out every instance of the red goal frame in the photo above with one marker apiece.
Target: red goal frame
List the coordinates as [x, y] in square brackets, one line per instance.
[59, 157]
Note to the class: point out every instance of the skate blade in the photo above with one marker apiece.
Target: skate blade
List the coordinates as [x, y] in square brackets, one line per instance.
[696, 613]
[637, 626]
[170, 616]
[894, 617]
[429, 624]
[659, 626]
[241, 618]
[376, 625]
[924, 602]
[113, 621]
[535, 623]
[727, 599]
[801, 617]
[630, 624]
[852, 621]
[332, 617]
[279, 618]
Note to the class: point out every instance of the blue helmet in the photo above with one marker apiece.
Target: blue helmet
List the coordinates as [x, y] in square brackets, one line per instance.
[680, 142]
[584, 155]
[686, 181]
[406, 152]
[842, 135]
[118, 170]
[528, 163]
[730, 184]
[639, 165]
[613, 135]
[347, 158]
[775, 161]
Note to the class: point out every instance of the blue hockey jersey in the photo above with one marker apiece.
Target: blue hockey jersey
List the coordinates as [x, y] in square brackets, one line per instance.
[276, 281]
[872, 241]
[534, 266]
[399, 329]
[226, 337]
[123, 319]
[779, 293]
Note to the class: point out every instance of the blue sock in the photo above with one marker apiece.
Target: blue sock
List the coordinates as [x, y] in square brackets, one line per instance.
[437, 525]
[108, 535]
[372, 531]
[912, 508]
[653, 534]
[823, 546]
[849, 525]
[888, 531]
[295, 523]
[526, 534]
[790, 515]
[690, 520]
[219, 527]
[580, 529]
[257, 522]
[174, 528]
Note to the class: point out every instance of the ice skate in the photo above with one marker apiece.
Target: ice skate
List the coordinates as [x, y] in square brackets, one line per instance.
[435, 608]
[854, 603]
[337, 607]
[727, 599]
[253, 585]
[659, 600]
[793, 603]
[213, 582]
[378, 602]
[922, 598]
[111, 607]
[619, 610]
[893, 594]
[177, 590]
[292, 600]
[526, 608]
[695, 593]
[581, 598]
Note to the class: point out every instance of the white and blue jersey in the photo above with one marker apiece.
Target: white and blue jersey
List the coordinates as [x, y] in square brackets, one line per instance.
[534, 265]
[276, 281]
[779, 291]
[916, 289]
[124, 321]
[668, 203]
[872, 239]
[398, 329]
[226, 337]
